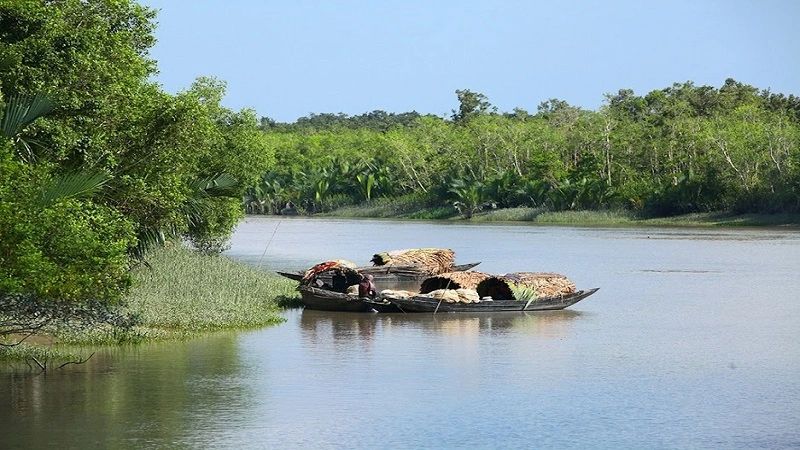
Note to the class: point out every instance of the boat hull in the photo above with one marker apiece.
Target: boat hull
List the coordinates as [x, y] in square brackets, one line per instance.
[380, 306]
[324, 300]
[428, 305]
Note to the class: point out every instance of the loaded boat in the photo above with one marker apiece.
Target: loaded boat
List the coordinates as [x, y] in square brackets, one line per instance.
[400, 268]
[341, 286]
[478, 292]
[335, 286]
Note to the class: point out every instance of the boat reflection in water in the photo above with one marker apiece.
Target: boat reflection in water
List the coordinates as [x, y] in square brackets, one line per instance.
[341, 327]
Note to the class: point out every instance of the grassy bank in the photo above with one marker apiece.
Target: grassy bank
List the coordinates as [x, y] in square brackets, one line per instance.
[627, 218]
[404, 207]
[180, 295]
[408, 208]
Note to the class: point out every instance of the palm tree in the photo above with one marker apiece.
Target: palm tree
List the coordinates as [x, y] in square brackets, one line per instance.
[20, 112]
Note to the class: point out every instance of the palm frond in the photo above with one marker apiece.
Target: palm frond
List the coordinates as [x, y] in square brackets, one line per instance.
[195, 210]
[20, 111]
[219, 185]
[79, 184]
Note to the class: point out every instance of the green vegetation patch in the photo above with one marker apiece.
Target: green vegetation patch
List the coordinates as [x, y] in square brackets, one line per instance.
[580, 218]
[181, 294]
[28, 352]
[543, 216]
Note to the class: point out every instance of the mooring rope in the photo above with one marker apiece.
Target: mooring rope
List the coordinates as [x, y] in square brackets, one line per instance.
[269, 242]
[449, 280]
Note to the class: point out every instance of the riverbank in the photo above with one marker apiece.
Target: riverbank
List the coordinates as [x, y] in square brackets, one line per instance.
[401, 209]
[180, 295]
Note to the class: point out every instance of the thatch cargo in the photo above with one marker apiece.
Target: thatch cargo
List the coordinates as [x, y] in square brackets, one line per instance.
[453, 280]
[430, 260]
[543, 283]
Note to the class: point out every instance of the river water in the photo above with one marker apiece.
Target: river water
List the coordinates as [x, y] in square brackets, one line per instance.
[691, 342]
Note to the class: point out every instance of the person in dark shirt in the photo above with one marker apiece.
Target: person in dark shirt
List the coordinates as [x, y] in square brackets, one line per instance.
[366, 288]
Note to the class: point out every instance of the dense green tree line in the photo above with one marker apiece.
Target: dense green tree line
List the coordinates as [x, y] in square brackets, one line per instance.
[376, 120]
[681, 149]
[97, 163]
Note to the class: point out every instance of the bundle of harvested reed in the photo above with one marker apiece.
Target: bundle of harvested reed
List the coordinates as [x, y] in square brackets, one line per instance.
[453, 280]
[432, 260]
[543, 284]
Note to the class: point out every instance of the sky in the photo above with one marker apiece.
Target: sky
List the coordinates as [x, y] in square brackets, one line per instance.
[286, 59]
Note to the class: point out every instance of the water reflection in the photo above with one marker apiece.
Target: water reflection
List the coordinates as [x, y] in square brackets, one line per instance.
[325, 326]
[140, 396]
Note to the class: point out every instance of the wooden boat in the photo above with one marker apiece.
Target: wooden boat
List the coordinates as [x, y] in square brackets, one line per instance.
[385, 275]
[296, 276]
[325, 300]
[428, 304]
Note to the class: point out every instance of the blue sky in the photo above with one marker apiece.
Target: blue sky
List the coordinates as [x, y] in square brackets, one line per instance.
[290, 58]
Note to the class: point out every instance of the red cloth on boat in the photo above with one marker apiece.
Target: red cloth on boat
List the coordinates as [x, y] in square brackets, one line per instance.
[319, 268]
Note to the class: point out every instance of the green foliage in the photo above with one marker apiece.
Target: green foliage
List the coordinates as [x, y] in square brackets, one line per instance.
[470, 105]
[210, 230]
[85, 183]
[376, 121]
[676, 150]
[73, 250]
[366, 182]
[468, 196]
[180, 294]
[523, 293]
[97, 163]
[19, 112]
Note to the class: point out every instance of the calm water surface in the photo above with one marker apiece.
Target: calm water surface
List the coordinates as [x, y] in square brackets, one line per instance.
[692, 342]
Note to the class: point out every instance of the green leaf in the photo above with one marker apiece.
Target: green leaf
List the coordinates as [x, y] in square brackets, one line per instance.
[20, 111]
[219, 185]
[73, 185]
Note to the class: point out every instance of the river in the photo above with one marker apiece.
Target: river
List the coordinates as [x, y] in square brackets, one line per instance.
[691, 342]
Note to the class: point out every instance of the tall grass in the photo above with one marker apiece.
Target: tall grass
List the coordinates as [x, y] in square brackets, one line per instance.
[183, 293]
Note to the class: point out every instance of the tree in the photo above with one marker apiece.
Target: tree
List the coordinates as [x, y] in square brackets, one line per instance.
[52, 226]
[470, 104]
[118, 165]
